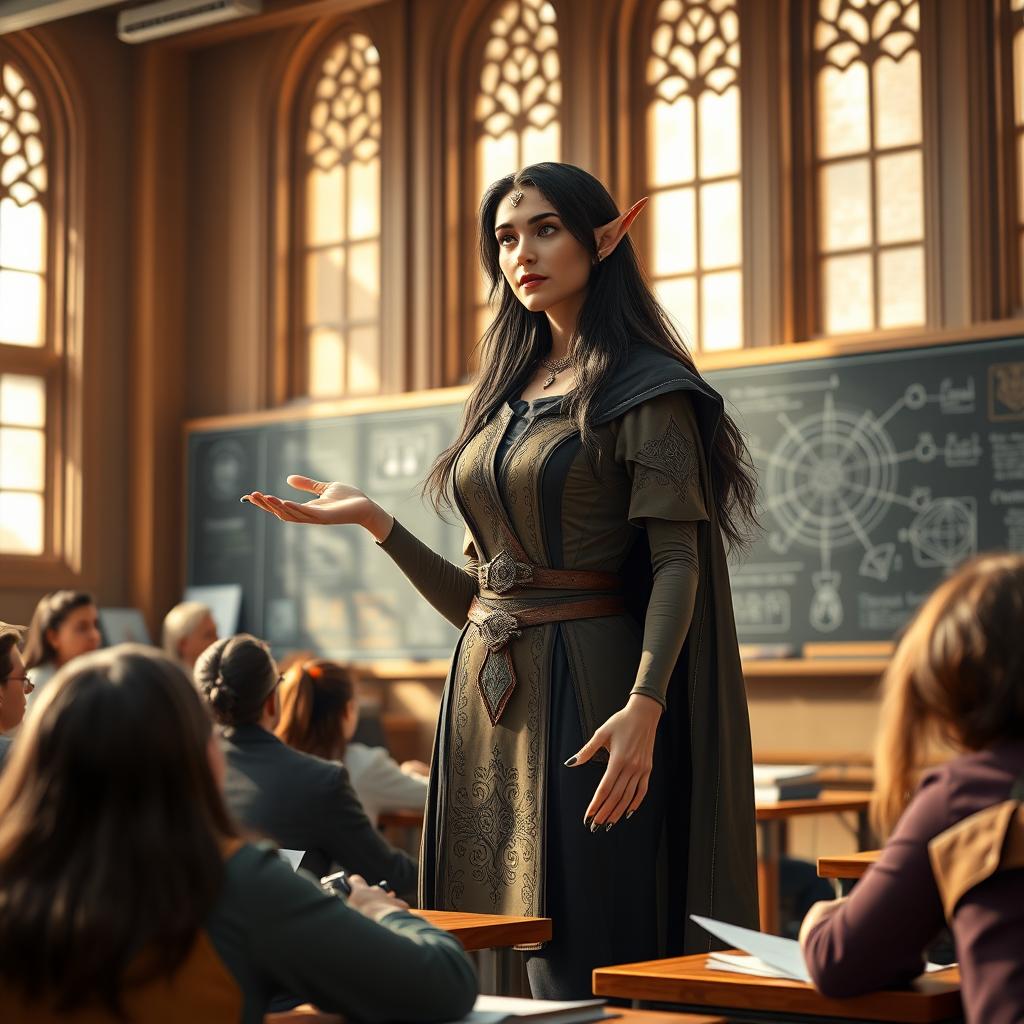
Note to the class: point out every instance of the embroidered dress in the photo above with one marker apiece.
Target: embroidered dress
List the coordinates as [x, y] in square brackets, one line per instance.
[504, 830]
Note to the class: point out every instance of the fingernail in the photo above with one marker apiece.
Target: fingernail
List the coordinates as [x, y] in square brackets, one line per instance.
[587, 821]
[629, 814]
[608, 827]
[594, 826]
[244, 497]
[571, 761]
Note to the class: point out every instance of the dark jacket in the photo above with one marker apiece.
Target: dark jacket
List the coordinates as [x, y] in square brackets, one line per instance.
[876, 939]
[304, 803]
[5, 746]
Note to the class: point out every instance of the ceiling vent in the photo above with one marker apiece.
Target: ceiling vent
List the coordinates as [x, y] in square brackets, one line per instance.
[167, 18]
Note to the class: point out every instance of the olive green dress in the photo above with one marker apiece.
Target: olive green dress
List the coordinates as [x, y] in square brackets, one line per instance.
[505, 816]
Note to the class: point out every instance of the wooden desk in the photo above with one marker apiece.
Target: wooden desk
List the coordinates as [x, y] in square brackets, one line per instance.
[852, 865]
[771, 826]
[400, 819]
[489, 931]
[402, 829]
[686, 982]
[490, 938]
[661, 1017]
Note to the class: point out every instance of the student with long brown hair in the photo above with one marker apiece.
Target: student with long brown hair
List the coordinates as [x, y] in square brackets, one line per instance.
[127, 893]
[64, 625]
[596, 684]
[955, 851]
[14, 684]
[319, 716]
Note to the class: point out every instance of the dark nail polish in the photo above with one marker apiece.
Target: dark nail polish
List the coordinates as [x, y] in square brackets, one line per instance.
[244, 498]
[629, 814]
[608, 827]
[594, 826]
[587, 821]
[571, 761]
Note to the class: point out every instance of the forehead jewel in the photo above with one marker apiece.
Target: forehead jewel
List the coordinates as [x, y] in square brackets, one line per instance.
[516, 198]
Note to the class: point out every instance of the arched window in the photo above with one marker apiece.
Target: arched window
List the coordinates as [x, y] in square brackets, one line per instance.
[339, 352]
[29, 355]
[868, 165]
[516, 114]
[693, 163]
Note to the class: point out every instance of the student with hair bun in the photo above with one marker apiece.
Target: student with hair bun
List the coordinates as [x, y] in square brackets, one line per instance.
[300, 801]
[319, 715]
[127, 893]
[955, 853]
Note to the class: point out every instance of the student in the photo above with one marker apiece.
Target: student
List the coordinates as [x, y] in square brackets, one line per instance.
[956, 853]
[124, 885]
[14, 685]
[319, 715]
[301, 802]
[187, 631]
[64, 625]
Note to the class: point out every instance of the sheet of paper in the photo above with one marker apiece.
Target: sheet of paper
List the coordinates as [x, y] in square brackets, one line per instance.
[784, 955]
[293, 857]
[495, 1009]
[740, 963]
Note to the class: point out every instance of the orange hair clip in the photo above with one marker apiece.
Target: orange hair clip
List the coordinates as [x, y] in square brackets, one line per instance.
[315, 671]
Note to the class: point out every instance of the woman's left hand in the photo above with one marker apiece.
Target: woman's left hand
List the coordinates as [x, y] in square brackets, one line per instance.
[629, 738]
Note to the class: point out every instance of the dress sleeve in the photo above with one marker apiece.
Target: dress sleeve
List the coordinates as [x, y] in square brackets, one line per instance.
[658, 444]
[877, 937]
[447, 587]
[316, 947]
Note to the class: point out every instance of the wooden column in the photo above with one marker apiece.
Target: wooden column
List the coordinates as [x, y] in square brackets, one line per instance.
[157, 342]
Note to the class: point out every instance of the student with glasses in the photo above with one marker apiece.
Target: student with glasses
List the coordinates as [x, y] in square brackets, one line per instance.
[15, 685]
[300, 801]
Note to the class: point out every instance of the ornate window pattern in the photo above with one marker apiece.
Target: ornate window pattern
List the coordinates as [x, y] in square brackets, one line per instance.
[693, 169]
[341, 260]
[26, 346]
[868, 165]
[518, 105]
[1014, 13]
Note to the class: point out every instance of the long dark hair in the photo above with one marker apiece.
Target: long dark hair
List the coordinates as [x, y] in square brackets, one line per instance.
[314, 696]
[111, 831]
[955, 677]
[620, 310]
[236, 675]
[51, 611]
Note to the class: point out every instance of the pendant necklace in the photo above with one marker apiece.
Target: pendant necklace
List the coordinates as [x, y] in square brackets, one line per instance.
[554, 368]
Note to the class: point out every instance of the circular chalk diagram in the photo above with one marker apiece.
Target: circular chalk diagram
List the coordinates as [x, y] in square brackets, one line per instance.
[830, 477]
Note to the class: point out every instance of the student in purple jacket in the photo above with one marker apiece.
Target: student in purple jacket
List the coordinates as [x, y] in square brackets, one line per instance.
[955, 854]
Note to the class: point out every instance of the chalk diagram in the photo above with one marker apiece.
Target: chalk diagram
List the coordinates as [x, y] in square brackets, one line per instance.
[832, 478]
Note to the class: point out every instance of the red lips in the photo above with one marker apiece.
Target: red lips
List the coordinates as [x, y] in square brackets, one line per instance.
[527, 279]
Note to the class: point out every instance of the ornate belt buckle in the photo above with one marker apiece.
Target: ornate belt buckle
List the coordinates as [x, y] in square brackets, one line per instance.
[498, 628]
[503, 572]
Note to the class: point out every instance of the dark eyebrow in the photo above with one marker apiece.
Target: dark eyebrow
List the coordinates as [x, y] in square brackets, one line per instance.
[533, 220]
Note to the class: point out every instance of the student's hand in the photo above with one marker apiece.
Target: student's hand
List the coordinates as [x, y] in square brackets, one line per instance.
[415, 768]
[629, 738]
[335, 503]
[817, 912]
[371, 901]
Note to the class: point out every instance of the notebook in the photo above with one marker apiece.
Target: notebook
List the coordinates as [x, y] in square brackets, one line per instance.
[502, 1009]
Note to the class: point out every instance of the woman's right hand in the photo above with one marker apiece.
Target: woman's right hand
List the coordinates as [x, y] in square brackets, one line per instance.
[335, 503]
[372, 901]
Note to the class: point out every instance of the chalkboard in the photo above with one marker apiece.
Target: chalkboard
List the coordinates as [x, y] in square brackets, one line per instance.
[325, 589]
[879, 474]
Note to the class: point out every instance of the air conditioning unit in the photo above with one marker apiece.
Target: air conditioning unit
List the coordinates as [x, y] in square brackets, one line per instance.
[151, 21]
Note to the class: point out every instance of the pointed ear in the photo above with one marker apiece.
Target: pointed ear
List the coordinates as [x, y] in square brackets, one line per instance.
[608, 236]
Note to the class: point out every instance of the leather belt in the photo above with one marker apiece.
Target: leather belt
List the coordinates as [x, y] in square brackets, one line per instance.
[503, 572]
[498, 625]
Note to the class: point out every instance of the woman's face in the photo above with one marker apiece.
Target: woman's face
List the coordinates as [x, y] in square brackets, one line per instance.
[12, 693]
[198, 640]
[542, 261]
[78, 634]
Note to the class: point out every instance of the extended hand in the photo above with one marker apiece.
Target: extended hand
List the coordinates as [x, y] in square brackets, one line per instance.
[335, 503]
[629, 738]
